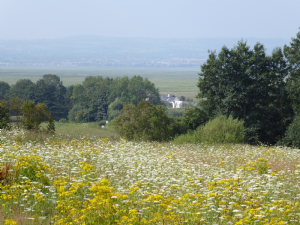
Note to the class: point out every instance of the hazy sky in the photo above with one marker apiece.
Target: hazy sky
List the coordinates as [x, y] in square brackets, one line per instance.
[36, 19]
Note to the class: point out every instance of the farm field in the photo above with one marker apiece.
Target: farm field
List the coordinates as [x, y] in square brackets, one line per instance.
[175, 80]
[93, 180]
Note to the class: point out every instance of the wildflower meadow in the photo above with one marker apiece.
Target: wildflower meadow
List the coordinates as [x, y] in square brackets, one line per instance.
[99, 181]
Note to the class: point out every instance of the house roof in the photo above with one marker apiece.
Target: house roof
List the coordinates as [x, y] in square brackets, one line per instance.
[170, 99]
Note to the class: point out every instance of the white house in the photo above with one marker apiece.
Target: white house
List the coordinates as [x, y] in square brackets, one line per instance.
[176, 103]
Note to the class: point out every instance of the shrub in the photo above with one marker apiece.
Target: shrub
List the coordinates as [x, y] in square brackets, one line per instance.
[175, 112]
[292, 135]
[222, 129]
[79, 115]
[34, 115]
[194, 117]
[114, 109]
[144, 122]
[4, 115]
[102, 123]
[15, 109]
[189, 137]
[63, 120]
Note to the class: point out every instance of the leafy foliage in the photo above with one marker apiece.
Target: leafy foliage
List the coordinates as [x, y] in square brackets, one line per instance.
[16, 108]
[292, 53]
[101, 98]
[4, 114]
[222, 130]
[16, 105]
[50, 91]
[144, 122]
[4, 90]
[248, 85]
[292, 135]
[114, 108]
[219, 130]
[34, 115]
[194, 117]
[24, 89]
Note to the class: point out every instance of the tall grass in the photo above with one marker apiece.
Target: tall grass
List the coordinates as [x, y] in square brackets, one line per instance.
[222, 129]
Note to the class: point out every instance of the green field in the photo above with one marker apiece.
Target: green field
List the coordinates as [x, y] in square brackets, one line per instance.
[89, 130]
[167, 80]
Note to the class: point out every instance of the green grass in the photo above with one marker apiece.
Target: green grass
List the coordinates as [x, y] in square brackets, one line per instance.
[167, 80]
[89, 130]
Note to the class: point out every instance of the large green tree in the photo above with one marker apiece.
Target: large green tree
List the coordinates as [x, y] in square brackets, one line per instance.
[91, 98]
[144, 122]
[4, 90]
[4, 114]
[24, 89]
[50, 91]
[247, 84]
[292, 53]
[134, 90]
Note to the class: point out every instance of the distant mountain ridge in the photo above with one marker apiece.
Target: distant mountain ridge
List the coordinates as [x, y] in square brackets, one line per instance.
[119, 51]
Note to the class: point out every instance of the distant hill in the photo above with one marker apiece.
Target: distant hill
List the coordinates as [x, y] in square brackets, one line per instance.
[118, 52]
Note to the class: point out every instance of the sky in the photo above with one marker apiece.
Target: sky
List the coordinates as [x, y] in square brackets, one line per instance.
[48, 19]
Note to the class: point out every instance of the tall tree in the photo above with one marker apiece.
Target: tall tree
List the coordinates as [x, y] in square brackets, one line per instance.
[24, 89]
[4, 90]
[244, 82]
[50, 91]
[292, 53]
[68, 100]
[15, 108]
[281, 101]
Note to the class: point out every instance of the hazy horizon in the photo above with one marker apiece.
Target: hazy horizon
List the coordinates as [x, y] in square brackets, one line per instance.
[96, 51]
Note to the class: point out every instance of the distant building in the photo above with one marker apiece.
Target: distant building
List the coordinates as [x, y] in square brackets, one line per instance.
[171, 99]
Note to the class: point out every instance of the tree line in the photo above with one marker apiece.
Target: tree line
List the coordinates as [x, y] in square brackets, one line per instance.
[263, 90]
[96, 99]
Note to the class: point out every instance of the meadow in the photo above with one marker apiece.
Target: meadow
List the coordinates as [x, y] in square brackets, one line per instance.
[67, 178]
[167, 80]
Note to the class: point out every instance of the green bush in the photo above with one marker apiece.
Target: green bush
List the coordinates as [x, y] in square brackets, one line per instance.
[34, 115]
[144, 122]
[177, 113]
[189, 137]
[102, 123]
[63, 120]
[79, 115]
[292, 135]
[114, 109]
[222, 129]
[195, 117]
[4, 115]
